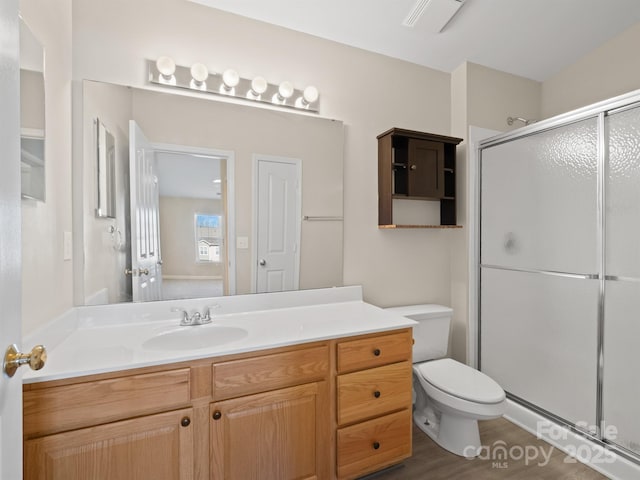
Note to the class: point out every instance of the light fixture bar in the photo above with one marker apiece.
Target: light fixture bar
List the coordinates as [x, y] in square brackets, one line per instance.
[230, 84]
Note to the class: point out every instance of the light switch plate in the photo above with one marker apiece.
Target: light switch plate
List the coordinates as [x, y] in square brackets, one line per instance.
[242, 242]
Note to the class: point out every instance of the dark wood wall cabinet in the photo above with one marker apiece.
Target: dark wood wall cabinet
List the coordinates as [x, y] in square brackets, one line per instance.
[416, 166]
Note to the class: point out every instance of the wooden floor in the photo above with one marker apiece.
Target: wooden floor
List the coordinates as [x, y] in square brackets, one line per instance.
[431, 462]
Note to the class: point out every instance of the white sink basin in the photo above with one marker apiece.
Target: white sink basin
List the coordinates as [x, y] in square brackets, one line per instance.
[194, 337]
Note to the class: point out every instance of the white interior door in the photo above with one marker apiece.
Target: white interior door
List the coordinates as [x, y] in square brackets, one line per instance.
[10, 264]
[278, 216]
[146, 260]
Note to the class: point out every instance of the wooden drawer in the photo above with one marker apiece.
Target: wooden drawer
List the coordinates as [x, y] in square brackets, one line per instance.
[260, 374]
[373, 392]
[68, 407]
[374, 351]
[373, 445]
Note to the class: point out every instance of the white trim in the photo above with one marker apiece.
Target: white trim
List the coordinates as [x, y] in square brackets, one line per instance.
[255, 158]
[32, 132]
[230, 217]
[476, 135]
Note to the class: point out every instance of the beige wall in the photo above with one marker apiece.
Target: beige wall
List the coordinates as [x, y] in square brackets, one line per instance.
[246, 131]
[47, 280]
[369, 93]
[482, 97]
[177, 236]
[32, 99]
[103, 257]
[611, 69]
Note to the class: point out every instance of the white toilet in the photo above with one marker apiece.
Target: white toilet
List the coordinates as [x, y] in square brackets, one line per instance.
[450, 397]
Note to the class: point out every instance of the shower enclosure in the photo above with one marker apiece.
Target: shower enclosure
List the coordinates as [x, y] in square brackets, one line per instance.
[559, 269]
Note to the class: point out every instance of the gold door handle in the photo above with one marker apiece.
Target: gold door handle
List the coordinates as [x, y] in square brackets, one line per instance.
[13, 359]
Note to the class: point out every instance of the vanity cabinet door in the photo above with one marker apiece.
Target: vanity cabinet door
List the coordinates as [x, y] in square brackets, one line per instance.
[279, 435]
[158, 447]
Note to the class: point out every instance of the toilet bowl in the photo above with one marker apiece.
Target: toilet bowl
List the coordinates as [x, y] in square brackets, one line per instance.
[450, 397]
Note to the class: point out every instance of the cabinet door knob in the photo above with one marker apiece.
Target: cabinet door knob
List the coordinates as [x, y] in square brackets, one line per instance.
[376, 394]
[185, 422]
[413, 167]
[377, 352]
[217, 415]
[376, 445]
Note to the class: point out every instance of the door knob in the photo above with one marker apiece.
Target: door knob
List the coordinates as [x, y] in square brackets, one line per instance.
[14, 359]
[262, 262]
[144, 271]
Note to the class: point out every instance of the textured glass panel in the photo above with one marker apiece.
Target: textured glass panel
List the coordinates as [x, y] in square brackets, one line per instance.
[539, 200]
[621, 359]
[623, 194]
[538, 340]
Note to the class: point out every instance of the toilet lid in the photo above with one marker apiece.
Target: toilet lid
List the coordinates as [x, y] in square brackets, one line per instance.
[461, 381]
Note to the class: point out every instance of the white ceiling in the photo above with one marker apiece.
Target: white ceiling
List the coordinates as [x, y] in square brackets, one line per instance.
[530, 38]
[188, 176]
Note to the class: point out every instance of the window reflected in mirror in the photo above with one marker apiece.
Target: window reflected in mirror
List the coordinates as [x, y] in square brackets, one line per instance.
[208, 237]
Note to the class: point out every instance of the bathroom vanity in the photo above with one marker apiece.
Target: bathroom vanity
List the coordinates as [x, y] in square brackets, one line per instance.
[334, 402]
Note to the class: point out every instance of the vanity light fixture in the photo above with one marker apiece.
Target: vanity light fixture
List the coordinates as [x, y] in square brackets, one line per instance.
[230, 79]
[258, 86]
[309, 96]
[285, 90]
[166, 67]
[165, 72]
[199, 75]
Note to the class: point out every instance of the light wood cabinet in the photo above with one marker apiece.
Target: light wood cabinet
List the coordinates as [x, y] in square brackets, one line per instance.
[276, 427]
[271, 435]
[301, 412]
[155, 446]
[373, 403]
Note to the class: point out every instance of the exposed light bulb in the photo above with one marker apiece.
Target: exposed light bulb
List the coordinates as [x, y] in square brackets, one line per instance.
[199, 72]
[285, 90]
[166, 66]
[310, 94]
[230, 78]
[258, 86]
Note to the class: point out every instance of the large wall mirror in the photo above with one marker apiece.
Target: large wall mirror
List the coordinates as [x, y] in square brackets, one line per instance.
[206, 198]
[32, 122]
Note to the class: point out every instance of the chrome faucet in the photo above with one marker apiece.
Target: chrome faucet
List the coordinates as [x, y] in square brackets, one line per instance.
[197, 318]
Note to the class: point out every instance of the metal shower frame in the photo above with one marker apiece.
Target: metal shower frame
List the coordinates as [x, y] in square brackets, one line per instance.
[598, 111]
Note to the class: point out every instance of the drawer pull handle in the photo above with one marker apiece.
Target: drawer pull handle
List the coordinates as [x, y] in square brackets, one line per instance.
[376, 445]
[377, 352]
[185, 422]
[376, 394]
[217, 415]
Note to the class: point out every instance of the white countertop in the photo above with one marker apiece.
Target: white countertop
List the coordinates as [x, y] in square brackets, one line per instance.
[91, 349]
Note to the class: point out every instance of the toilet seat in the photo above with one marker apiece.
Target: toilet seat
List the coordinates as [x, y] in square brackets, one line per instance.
[461, 381]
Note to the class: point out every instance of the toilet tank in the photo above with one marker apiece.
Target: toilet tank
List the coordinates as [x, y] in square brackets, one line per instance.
[431, 334]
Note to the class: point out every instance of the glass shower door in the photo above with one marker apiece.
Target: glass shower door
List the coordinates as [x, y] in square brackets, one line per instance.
[539, 264]
[621, 384]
